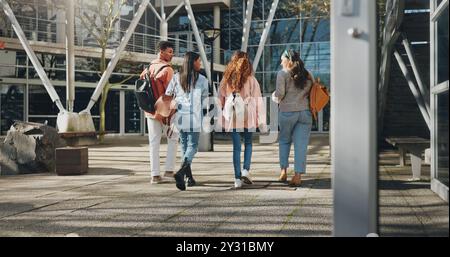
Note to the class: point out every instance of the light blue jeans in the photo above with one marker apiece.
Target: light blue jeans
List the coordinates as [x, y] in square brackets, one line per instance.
[295, 127]
[236, 137]
[189, 143]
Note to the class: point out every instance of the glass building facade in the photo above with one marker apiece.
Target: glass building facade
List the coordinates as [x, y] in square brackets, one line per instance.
[439, 96]
[305, 32]
[20, 86]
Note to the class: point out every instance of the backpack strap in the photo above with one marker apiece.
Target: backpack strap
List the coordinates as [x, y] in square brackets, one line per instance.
[160, 69]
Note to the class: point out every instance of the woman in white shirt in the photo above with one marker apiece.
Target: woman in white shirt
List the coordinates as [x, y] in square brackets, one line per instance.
[189, 89]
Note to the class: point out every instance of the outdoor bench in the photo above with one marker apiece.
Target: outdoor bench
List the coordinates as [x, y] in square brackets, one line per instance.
[415, 146]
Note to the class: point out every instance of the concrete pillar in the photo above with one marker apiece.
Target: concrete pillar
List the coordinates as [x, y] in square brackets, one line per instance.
[163, 26]
[217, 41]
[164, 29]
[60, 27]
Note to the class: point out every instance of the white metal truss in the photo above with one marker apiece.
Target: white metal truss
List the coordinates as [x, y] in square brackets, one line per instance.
[188, 7]
[70, 55]
[247, 25]
[162, 18]
[33, 58]
[115, 58]
[423, 90]
[419, 100]
[264, 35]
[112, 64]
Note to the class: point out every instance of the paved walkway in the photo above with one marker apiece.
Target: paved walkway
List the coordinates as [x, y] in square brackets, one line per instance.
[116, 198]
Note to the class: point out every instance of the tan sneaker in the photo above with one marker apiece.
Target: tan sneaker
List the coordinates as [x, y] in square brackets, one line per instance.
[283, 176]
[156, 180]
[169, 174]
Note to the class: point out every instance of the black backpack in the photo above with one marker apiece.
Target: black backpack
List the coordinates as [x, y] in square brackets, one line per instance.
[143, 90]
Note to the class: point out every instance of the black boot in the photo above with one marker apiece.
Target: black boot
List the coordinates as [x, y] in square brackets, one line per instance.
[190, 178]
[179, 176]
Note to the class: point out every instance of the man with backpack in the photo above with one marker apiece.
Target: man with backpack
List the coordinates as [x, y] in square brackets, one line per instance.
[161, 72]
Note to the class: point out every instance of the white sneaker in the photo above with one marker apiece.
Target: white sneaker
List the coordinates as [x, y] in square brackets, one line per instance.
[237, 183]
[246, 177]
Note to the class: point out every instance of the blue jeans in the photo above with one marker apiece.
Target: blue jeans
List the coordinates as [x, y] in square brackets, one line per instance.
[236, 137]
[189, 143]
[295, 127]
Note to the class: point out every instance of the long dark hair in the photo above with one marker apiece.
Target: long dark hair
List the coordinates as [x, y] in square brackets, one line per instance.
[298, 71]
[188, 72]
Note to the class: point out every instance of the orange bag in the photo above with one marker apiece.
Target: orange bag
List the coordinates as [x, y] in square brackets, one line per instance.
[318, 97]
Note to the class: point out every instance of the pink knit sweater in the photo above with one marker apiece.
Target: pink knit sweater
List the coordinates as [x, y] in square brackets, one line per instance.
[251, 93]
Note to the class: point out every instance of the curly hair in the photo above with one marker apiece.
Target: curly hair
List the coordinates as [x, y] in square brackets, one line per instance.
[238, 70]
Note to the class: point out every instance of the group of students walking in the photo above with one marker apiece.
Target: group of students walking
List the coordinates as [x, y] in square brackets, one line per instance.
[189, 90]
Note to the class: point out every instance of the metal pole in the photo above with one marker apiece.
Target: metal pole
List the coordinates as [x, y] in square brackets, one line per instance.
[247, 24]
[212, 66]
[354, 148]
[115, 58]
[212, 92]
[34, 60]
[265, 33]
[70, 55]
[201, 48]
[216, 41]
[412, 86]
[412, 60]
[175, 11]
[154, 11]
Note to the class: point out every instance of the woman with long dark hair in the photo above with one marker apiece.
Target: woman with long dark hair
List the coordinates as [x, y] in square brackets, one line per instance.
[189, 88]
[295, 119]
[240, 87]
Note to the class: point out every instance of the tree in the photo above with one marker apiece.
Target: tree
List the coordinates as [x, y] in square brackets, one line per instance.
[27, 8]
[99, 19]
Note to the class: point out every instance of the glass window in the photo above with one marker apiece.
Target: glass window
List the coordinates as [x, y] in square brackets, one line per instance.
[82, 98]
[257, 9]
[225, 39]
[442, 137]
[112, 111]
[224, 18]
[272, 55]
[236, 17]
[204, 20]
[284, 31]
[260, 78]
[286, 9]
[252, 53]
[235, 34]
[270, 82]
[132, 114]
[323, 57]
[315, 30]
[40, 102]
[11, 105]
[442, 47]
[256, 30]
[308, 53]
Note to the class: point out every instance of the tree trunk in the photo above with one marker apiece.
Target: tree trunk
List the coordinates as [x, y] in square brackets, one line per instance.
[103, 113]
[104, 96]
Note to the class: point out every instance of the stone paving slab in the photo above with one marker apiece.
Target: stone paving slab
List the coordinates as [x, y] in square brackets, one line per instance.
[116, 198]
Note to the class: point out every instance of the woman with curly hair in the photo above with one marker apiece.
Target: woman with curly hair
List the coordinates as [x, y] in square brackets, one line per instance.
[295, 119]
[240, 97]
